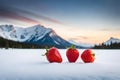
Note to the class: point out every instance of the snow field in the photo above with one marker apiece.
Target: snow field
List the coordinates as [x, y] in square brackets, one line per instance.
[28, 64]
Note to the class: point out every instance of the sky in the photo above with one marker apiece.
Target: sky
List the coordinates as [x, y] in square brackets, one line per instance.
[86, 21]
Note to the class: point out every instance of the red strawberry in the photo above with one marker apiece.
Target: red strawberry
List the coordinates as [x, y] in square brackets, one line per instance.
[88, 56]
[53, 55]
[72, 54]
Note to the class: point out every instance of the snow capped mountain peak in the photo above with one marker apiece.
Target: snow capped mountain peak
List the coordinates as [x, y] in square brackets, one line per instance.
[43, 30]
[6, 27]
[22, 34]
[8, 32]
[112, 40]
[37, 26]
[37, 32]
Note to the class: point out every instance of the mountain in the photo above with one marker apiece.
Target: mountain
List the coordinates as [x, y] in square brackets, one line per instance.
[112, 43]
[112, 40]
[85, 45]
[37, 34]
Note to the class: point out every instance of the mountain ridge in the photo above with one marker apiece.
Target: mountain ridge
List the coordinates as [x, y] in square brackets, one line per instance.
[37, 34]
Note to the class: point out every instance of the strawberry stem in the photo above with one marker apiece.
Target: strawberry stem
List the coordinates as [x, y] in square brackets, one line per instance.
[72, 46]
[46, 51]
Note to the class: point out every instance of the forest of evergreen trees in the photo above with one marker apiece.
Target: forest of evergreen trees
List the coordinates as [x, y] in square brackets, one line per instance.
[4, 43]
[111, 46]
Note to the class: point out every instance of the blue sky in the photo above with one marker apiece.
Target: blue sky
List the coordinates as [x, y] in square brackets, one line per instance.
[89, 21]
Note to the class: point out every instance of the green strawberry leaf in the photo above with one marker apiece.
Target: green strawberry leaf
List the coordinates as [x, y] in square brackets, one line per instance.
[93, 54]
[46, 51]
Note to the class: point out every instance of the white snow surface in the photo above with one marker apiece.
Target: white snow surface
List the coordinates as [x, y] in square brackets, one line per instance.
[28, 64]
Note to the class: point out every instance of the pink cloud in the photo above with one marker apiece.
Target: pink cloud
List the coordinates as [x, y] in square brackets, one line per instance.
[15, 14]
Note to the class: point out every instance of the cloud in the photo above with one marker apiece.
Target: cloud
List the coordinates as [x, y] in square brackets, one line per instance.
[11, 14]
[18, 14]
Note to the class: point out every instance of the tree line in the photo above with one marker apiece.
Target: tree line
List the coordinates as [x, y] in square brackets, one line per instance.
[110, 46]
[5, 43]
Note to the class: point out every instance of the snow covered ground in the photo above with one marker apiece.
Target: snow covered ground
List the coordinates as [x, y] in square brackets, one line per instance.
[28, 64]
